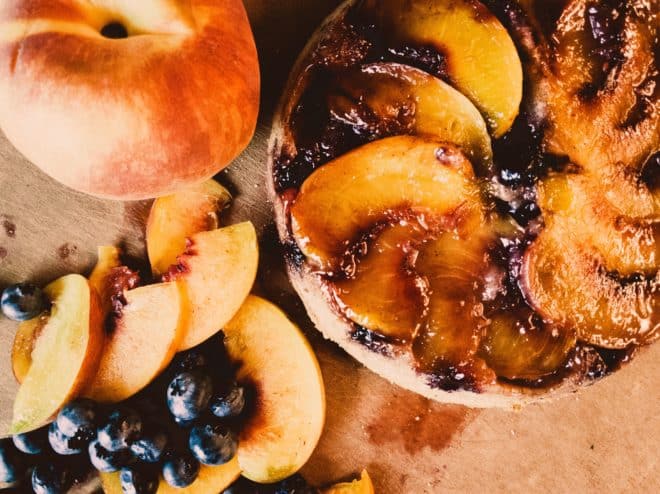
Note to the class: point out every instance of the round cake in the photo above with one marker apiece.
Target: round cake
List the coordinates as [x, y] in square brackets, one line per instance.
[468, 192]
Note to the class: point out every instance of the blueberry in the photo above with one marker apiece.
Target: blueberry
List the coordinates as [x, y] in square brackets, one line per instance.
[78, 419]
[63, 444]
[230, 403]
[191, 361]
[150, 446]
[50, 479]
[122, 428]
[23, 302]
[212, 444]
[32, 443]
[245, 486]
[107, 461]
[293, 485]
[189, 394]
[11, 463]
[180, 469]
[138, 480]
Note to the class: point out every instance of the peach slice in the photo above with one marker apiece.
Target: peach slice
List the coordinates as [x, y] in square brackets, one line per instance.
[361, 486]
[392, 92]
[209, 480]
[290, 399]
[68, 347]
[143, 340]
[216, 274]
[346, 197]
[24, 341]
[385, 294]
[454, 265]
[108, 259]
[594, 268]
[516, 346]
[176, 217]
[481, 58]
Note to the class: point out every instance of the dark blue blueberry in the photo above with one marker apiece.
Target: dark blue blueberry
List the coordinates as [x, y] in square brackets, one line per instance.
[32, 443]
[50, 479]
[188, 395]
[23, 302]
[108, 461]
[136, 480]
[78, 419]
[122, 428]
[12, 466]
[63, 444]
[180, 469]
[184, 424]
[213, 444]
[293, 485]
[229, 404]
[191, 361]
[150, 446]
[245, 486]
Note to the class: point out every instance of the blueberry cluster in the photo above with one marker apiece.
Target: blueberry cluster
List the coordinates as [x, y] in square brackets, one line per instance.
[190, 415]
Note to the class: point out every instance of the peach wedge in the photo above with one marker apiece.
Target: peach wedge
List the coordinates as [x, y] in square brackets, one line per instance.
[348, 196]
[482, 61]
[176, 217]
[142, 341]
[289, 414]
[215, 274]
[209, 480]
[65, 354]
[361, 486]
[433, 107]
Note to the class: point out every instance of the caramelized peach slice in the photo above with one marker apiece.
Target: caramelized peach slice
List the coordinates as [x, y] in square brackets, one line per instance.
[604, 110]
[68, 347]
[593, 268]
[361, 486]
[402, 96]
[453, 265]
[481, 59]
[289, 411]
[176, 217]
[216, 274]
[209, 480]
[386, 295]
[518, 346]
[344, 199]
[144, 337]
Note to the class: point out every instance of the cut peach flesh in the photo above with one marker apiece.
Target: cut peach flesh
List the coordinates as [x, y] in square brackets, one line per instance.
[289, 413]
[211, 479]
[385, 295]
[346, 197]
[361, 486]
[592, 268]
[592, 131]
[143, 341]
[392, 92]
[517, 347]
[24, 341]
[482, 61]
[175, 218]
[453, 265]
[215, 275]
[570, 287]
[108, 259]
[68, 348]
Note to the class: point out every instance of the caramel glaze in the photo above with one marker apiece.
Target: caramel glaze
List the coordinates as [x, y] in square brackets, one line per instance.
[315, 137]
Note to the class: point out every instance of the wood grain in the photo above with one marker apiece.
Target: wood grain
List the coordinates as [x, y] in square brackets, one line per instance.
[604, 439]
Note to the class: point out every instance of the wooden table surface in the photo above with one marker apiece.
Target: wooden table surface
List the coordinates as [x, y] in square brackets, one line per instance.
[604, 439]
